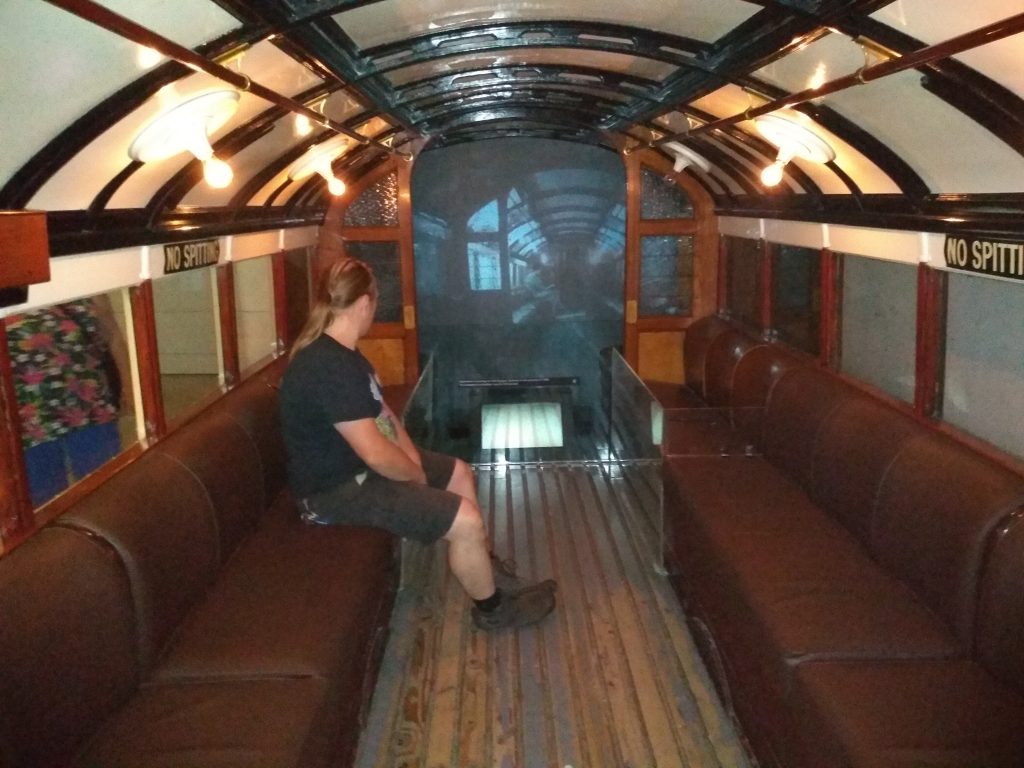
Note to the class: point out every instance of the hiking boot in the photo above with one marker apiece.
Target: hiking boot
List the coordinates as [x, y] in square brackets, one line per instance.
[517, 609]
[507, 580]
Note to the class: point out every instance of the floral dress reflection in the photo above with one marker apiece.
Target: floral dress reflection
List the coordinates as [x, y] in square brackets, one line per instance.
[67, 362]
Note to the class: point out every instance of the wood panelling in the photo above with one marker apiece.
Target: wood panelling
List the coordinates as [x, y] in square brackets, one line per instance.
[648, 339]
[387, 356]
[661, 356]
[25, 248]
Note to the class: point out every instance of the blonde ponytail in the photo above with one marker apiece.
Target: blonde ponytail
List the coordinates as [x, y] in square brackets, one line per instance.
[339, 287]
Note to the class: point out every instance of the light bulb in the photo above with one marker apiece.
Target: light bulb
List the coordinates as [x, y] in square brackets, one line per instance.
[147, 57]
[303, 125]
[217, 173]
[335, 186]
[772, 174]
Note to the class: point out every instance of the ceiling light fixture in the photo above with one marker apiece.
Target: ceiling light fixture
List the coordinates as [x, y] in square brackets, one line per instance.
[793, 140]
[685, 157]
[187, 126]
[318, 159]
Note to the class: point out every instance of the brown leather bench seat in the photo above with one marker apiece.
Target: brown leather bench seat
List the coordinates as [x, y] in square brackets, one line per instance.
[181, 615]
[850, 584]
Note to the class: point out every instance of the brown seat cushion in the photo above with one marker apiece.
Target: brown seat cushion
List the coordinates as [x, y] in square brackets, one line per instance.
[262, 723]
[798, 584]
[67, 630]
[297, 601]
[902, 714]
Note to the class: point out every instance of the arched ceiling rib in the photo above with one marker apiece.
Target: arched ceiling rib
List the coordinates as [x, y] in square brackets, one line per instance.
[440, 72]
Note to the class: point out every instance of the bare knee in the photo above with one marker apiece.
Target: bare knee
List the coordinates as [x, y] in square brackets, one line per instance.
[462, 476]
[468, 525]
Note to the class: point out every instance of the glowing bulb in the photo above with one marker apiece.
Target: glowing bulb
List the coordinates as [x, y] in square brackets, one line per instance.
[335, 186]
[772, 174]
[217, 173]
[147, 57]
[303, 125]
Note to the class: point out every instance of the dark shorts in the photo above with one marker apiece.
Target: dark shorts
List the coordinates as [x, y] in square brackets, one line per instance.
[410, 510]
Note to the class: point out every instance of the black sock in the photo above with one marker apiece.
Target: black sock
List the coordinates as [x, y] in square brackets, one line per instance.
[488, 604]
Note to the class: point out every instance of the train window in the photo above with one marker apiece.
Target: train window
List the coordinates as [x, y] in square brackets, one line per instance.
[666, 275]
[74, 385]
[254, 310]
[484, 266]
[483, 249]
[879, 324]
[377, 206]
[298, 288]
[661, 198]
[743, 279]
[985, 360]
[383, 258]
[796, 296]
[187, 337]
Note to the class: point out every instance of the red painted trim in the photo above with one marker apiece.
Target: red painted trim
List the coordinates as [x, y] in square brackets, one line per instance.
[931, 332]
[722, 297]
[144, 322]
[831, 301]
[228, 323]
[767, 285]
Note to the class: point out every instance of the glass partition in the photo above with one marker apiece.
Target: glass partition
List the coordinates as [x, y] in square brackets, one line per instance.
[74, 382]
[188, 339]
[985, 360]
[298, 281]
[796, 296]
[254, 311]
[879, 321]
[743, 279]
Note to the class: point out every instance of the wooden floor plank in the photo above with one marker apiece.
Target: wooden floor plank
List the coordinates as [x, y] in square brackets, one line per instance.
[611, 679]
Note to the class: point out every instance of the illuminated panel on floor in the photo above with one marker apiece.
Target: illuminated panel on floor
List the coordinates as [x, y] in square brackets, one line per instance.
[521, 425]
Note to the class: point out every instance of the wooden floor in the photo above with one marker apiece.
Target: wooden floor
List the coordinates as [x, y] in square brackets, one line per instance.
[610, 679]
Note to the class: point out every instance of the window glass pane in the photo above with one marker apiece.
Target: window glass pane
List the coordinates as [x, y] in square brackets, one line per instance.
[298, 287]
[377, 206]
[254, 310]
[486, 219]
[879, 324]
[662, 199]
[743, 279]
[73, 381]
[796, 296]
[384, 259]
[666, 275]
[985, 360]
[188, 338]
[484, 266]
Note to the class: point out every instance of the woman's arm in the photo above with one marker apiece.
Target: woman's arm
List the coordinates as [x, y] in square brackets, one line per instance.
[380, 454]
[401, 436]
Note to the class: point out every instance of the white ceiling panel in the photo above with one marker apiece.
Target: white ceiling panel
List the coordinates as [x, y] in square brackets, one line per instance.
[935, 21]
[78, 182]
[55, 69]
[951, 152]
[392, 20]
[187, 22]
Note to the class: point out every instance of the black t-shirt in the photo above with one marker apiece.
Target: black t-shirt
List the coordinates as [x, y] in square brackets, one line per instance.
[325, 383]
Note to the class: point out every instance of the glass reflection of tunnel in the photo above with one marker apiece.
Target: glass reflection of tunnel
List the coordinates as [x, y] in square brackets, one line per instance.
[519, 250]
